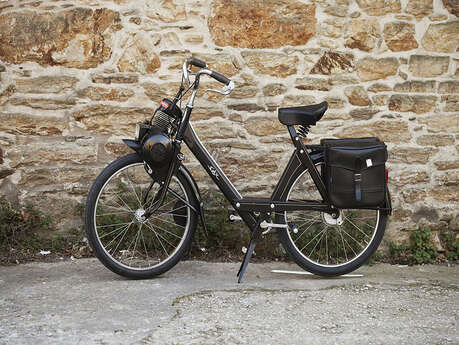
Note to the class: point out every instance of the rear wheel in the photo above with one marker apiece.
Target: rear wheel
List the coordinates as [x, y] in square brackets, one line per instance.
[325, 245]
[126, 241]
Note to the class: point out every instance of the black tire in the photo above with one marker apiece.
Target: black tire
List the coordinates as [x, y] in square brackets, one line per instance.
[339, 265]
[114, 176]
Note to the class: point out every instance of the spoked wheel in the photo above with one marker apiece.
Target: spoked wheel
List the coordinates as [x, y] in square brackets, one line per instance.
[327, 245]
[123, 238]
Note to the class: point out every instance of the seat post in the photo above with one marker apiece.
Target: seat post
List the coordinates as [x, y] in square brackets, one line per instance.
[305, 159]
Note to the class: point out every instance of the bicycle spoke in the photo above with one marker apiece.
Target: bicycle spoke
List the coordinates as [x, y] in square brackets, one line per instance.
[304, 231]
[353, 238]
[356, 226]
[167, 221]
[104, 226]
[134, 244]
[344, 247]
[111, 232]
[311, 240]
[133, 189]
[111, 214]
[161, 243]
[124, 234]
[145, 247]
[170, 233]
[320, 239]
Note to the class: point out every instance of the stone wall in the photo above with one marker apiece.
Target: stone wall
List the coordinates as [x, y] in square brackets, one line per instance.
[75, 77]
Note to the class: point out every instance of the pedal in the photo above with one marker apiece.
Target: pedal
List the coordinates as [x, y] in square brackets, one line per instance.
[234, 218]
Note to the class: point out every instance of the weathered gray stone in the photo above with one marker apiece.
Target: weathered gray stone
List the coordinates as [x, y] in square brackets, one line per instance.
[71, 150]
[372, 69]
[338, 11]
[44, 103]
[274, 89]
[103, 118]
[312, 84]
[395, 131]
[117, 78]
[451, 86]
[263, 125]
[357, 95]
[363, 34]
[332, 28]
[443, 37]
[428, 66]
[379, 87]
[26, 124]
[6, 94]
[451, 103]
[363, 113]
[416, 86]
[420, 155]
[46, 84]
[381, 100]
[447, 165]
[275, 64]
[106, 94]
[416, 104]
[140, 56]
[440, 122]
[419, 8]
[435, 140]
[379, 7]
[250, 107]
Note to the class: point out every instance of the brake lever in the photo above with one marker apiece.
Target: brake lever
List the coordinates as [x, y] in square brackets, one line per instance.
[226, 91]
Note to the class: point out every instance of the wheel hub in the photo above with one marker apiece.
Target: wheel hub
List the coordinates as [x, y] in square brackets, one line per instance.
[140, 215]
[330, 220]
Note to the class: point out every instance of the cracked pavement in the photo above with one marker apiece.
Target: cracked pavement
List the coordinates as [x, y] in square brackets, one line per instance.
[81, 302]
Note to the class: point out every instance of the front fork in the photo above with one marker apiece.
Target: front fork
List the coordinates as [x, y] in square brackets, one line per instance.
[177, 158]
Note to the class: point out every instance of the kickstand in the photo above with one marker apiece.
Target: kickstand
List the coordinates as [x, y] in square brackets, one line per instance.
[256, 235]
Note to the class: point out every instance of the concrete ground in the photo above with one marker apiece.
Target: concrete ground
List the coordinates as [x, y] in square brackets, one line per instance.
[81, 302]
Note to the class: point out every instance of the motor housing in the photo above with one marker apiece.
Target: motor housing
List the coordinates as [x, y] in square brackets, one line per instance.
[157, 152]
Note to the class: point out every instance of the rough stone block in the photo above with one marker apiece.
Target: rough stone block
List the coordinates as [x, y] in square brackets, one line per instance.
[370, 68]
[261, 24]
[427, 66]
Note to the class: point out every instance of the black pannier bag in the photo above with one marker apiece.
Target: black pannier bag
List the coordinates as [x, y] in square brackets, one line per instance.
[355, 174]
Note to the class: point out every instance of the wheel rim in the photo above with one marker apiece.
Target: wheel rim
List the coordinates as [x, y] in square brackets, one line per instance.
[125, 236]
[323, 240]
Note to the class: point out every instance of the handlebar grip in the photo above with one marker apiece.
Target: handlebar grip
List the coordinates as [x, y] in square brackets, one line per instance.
[196, 62]
[220, 78]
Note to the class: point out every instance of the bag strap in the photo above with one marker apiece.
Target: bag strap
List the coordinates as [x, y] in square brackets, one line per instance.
[358, 179]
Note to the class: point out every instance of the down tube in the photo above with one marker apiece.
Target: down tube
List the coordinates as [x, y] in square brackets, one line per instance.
[216, 173]
[210, 165]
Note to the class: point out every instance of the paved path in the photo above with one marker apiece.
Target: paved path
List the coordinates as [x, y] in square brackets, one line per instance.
[81, 302]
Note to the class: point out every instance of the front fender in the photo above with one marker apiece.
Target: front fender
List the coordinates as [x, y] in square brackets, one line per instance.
[135, 145]
[192, 182]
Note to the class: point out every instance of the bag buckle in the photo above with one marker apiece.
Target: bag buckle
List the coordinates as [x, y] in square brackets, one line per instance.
[357, 177]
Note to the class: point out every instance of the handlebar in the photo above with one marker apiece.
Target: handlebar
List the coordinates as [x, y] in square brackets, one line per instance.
[217, 76]
[196, 62]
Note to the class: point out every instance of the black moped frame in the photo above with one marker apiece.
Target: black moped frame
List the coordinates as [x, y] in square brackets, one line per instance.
[253, 211]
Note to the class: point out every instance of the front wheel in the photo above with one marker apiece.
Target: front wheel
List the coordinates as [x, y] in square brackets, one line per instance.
[324, 245]
[123, 239]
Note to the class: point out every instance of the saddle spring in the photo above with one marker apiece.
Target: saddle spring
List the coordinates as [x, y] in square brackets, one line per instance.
[303, 130]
